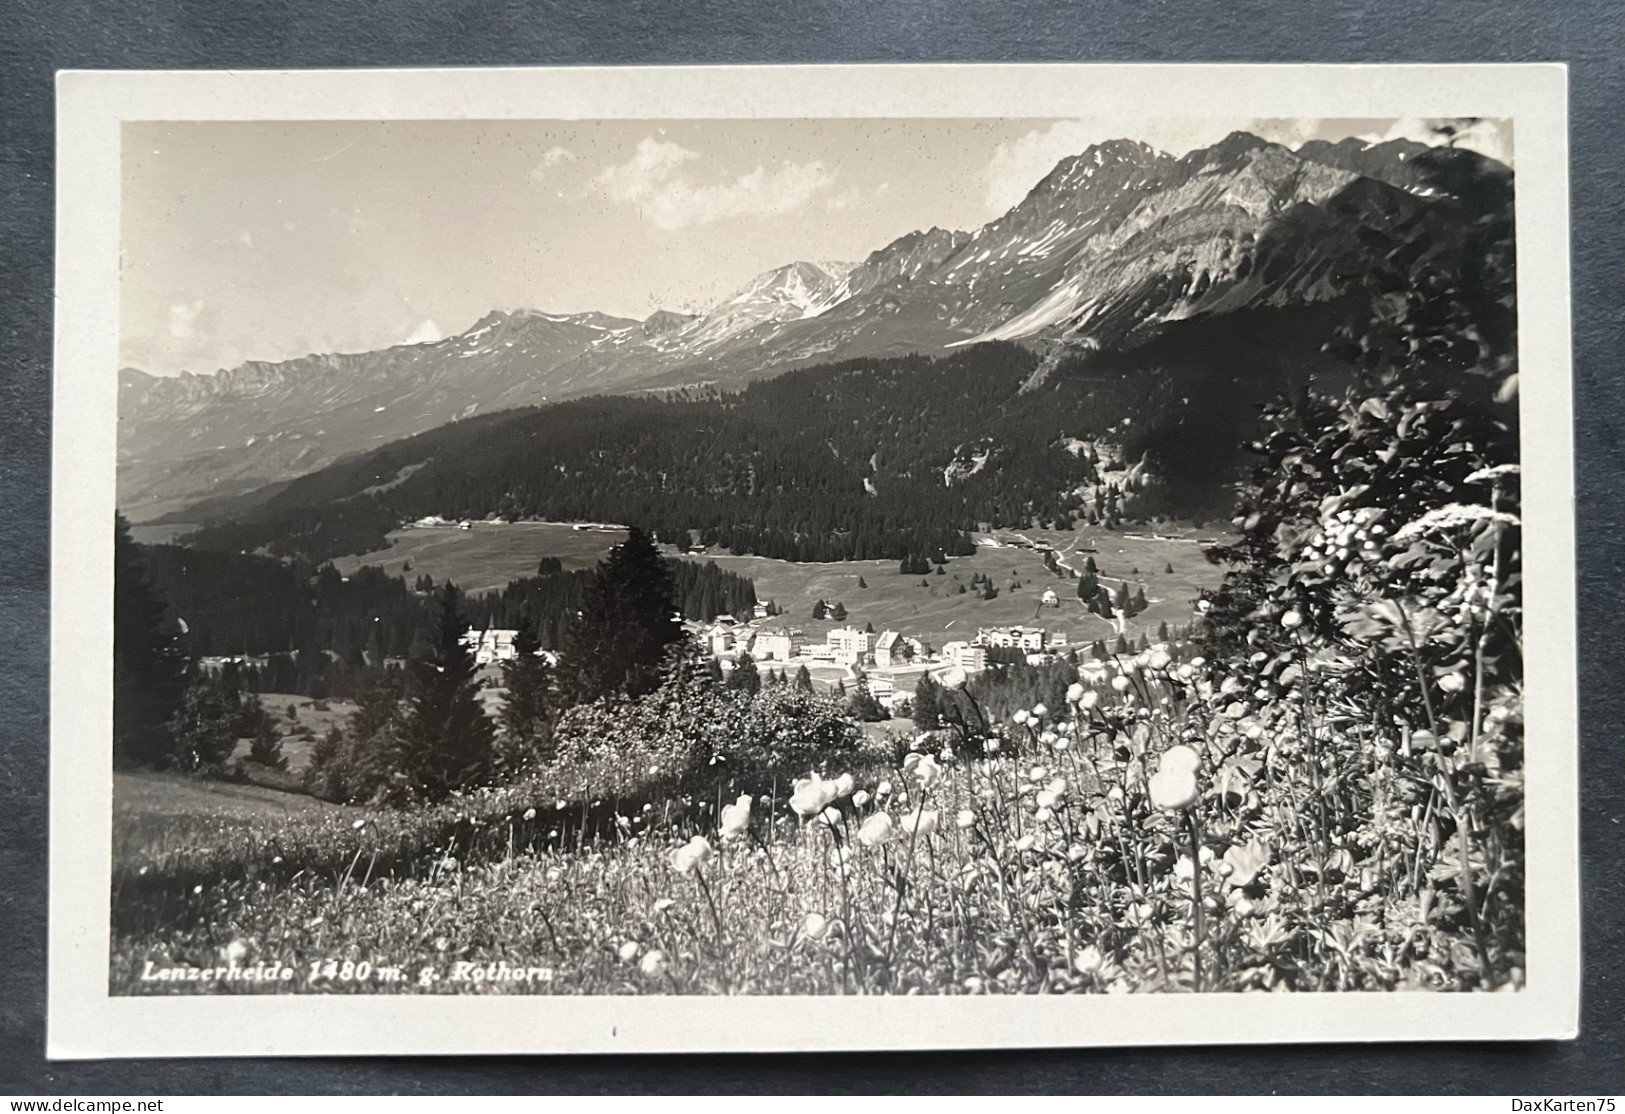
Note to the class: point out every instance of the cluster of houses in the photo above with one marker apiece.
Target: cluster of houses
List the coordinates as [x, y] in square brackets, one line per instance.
[875, 655]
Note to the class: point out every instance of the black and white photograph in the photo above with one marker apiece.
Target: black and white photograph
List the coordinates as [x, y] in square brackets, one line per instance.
[951, 555]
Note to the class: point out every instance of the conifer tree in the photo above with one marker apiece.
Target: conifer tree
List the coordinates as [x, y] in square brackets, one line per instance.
[927, 704]
[627, 624]
[527, 709]
[149, 668]
[804, 680]
[201, 728]
[865, 707]
[447, 741]
[745, 676]
[266, 748]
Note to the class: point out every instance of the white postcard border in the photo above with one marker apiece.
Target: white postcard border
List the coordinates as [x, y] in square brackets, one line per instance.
[86, 1022]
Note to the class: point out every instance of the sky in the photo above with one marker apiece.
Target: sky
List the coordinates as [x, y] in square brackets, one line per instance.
[271, 240]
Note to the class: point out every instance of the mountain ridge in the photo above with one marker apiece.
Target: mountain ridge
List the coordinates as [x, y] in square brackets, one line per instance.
[1109, 247]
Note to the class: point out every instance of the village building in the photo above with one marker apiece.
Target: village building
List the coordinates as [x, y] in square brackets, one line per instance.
[884, 690]
[780, 645]
[970, 658]
[849, 644]
[887, 650]
[1011, 638]
[490, 646]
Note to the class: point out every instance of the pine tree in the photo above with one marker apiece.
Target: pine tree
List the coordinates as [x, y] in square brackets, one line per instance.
[745, 676]
[1088, 583]
[1162, 631]
[149, 669]
[266, 748]
[927, 704]
[862, 583]
[446, 739]
[838, 612]
[627, 624]
[864, 707]
[527, 709]
[804, 681]
[201, 728]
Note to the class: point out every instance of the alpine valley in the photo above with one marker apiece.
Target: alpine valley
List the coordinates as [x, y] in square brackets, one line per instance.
[1127, 315]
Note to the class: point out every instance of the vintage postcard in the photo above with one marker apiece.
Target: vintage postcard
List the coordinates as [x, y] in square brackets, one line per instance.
[811, 558]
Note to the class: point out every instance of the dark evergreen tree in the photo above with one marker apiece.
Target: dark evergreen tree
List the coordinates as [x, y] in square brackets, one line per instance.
[528, 704]
[838, 612]
[864, 707]
[1088, 583]
[201, 728]
[266, 747]
[804, 680]
[745, 676]
[446, 739]
[149, 669]
[628, 622]
[927, 704]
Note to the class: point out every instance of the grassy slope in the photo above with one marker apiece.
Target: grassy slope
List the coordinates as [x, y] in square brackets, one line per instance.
[486, 556]
[154, 812]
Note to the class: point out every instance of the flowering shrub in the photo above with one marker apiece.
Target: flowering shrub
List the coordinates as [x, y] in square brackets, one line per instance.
[693, 734]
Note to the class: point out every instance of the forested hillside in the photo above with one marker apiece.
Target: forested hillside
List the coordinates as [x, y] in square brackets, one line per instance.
[867, 459]
[322, 631]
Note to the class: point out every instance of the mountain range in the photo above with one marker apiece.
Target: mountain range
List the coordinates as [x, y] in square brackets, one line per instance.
[1109, 250]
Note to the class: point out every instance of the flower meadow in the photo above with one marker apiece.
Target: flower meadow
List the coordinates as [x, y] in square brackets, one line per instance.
[1159, 829]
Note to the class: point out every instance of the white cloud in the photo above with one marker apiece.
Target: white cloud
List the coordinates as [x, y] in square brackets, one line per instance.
[1487, 137]
[551, 158]
[426, 333]
[852, 197]
[655, 181]
[183, 319]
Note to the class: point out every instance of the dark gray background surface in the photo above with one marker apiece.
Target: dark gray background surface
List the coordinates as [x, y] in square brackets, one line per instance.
[38, 37]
